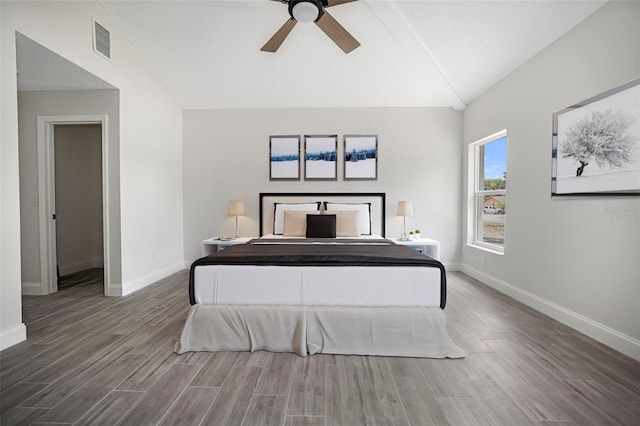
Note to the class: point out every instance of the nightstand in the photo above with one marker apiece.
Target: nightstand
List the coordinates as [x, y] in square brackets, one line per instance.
[211, 245]
[423, 245]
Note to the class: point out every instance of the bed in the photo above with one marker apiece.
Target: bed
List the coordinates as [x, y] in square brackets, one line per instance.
[322, 278]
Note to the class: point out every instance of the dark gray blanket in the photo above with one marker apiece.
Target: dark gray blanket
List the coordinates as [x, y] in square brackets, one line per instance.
[320, 252]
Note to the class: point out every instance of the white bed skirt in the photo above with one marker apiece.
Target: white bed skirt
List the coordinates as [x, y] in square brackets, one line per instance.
[387, 331]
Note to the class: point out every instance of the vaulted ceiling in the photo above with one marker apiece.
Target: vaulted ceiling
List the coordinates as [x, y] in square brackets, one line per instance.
[412, 53]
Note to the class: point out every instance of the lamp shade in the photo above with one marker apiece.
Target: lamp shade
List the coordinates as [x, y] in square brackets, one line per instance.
[236, 208]
[404, 208]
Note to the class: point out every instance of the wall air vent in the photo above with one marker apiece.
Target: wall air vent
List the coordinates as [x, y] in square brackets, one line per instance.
[101, 40]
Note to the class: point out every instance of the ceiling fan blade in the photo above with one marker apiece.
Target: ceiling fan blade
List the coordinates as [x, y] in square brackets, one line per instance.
[338, 2]
[337, 33]
[274, 42]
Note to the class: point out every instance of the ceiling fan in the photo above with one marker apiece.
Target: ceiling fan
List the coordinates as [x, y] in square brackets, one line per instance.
[313, 11]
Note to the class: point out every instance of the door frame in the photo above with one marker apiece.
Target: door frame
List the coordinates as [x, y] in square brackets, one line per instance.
[46, 196]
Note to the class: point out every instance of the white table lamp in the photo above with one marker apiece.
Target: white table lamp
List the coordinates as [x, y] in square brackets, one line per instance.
[404, 209]
[236, 208]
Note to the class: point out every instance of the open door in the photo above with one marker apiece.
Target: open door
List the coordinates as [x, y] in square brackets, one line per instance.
[78, 203]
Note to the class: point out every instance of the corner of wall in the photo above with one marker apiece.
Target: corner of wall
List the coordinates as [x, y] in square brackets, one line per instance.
[453, 267]
[13, 336]
[114, 290]
[32, 289]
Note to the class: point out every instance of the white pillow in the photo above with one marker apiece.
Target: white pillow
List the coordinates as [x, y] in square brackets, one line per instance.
[279, 209]
[363, 208]
[295, 222]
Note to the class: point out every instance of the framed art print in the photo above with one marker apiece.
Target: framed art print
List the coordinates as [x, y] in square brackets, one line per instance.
[320, 157]
[360, 157]
[596, 144]
[284, 158]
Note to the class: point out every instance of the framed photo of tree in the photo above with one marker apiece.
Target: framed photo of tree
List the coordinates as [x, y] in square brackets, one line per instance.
[596, 144]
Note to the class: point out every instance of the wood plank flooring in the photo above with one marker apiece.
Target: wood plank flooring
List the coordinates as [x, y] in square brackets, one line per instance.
[92, 360]
[84, 277]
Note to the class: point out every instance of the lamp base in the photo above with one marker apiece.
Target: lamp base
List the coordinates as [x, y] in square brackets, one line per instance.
[236, 234]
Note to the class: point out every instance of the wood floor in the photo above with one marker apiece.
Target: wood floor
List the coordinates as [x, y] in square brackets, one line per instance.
[101, 361]
[84, 277]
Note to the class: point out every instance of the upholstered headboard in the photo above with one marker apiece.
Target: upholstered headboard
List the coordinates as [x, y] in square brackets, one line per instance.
[268, 200]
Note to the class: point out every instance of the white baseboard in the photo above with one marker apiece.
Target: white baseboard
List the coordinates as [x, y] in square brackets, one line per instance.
[453, 267]
[70, 268]
[135, 285]
[12, 336]
[597, 331]
[32, 289]
[114, 290]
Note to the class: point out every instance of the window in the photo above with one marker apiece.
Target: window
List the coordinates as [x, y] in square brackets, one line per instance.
[488, 191]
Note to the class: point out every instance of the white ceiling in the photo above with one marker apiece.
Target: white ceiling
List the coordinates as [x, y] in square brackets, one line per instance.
[412, 53]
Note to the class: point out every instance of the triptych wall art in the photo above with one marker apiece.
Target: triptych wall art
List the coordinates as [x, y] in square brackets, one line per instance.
[320, 154]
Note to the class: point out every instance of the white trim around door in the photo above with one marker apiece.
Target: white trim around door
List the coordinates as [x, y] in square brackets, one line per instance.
[46, 196]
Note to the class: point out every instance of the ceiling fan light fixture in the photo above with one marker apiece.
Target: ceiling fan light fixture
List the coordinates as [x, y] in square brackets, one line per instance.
[305, 10]
[312, 11]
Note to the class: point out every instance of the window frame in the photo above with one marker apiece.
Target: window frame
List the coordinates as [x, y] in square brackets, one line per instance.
[477, 193]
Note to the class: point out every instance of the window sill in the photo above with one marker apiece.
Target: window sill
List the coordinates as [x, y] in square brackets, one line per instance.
[485, 248]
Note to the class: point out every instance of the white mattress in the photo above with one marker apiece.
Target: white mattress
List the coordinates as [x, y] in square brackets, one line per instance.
[329, 286]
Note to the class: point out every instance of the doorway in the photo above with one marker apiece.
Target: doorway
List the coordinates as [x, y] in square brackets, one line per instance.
[78, 204]
[72, 188]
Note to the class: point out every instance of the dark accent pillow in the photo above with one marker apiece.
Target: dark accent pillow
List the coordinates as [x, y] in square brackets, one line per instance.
[321, 226]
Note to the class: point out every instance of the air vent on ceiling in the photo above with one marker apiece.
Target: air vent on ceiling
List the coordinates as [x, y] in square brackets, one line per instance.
[101, 40]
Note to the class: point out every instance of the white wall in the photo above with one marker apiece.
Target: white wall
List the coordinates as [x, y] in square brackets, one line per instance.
[150, 147]
[226, 156]
[575, 259]
[31, 104]
[78, 197]
[12, 330]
